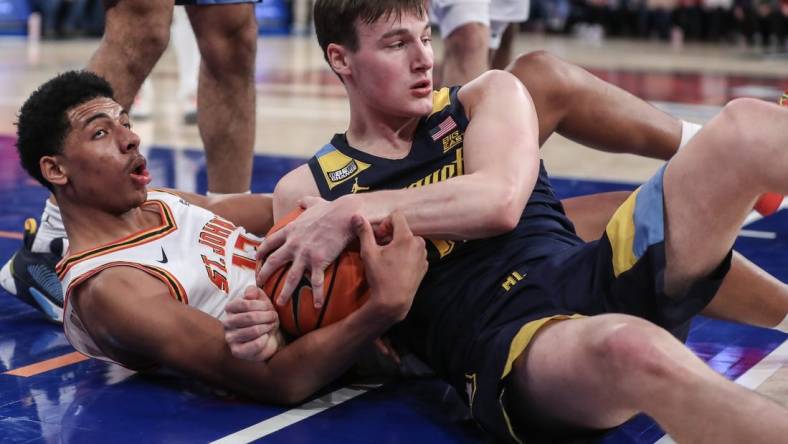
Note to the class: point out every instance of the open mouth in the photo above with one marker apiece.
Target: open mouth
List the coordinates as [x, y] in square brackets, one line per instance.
[139, 171]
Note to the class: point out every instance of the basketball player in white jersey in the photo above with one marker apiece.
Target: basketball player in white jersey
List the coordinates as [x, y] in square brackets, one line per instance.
[148, 273]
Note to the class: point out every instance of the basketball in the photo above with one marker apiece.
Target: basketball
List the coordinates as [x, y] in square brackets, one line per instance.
[345, 291]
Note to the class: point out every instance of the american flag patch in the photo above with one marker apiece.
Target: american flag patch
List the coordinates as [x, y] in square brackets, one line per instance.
[441, 130]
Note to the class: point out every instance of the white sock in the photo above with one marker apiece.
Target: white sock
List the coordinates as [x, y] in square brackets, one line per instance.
[782, 326]
[688, 131]
[51, 227]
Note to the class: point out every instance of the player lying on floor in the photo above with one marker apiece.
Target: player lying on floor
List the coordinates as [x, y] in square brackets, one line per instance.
[150, 272]
[516, 311]
[568, 100]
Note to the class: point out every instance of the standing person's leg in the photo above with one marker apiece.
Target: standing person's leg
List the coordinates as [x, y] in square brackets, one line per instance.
[136, 33]
[187, 55]
[596, 372]
[227, 38]
[465, 29]
[501, 56]
[505, 19]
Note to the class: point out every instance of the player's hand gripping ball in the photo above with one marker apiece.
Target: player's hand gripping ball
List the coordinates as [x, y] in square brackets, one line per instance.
[345, 287]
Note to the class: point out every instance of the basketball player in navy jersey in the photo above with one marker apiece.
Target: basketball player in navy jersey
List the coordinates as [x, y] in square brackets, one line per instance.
[544, 334]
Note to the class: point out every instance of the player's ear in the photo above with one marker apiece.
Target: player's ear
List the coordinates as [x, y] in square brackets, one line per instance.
[338, 58]
[53, 170]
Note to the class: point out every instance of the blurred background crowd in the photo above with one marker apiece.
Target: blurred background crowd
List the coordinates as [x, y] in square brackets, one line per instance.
[757, 23]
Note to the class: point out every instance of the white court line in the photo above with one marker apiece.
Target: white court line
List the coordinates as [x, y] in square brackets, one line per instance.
[758, 234]
[295, 415]
[755, 376]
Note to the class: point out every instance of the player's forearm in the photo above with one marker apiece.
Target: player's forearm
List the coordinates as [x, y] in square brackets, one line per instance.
[306, 365]
[251, 211]
[465, 207]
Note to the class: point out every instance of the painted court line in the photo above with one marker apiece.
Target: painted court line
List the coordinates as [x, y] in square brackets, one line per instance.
[295, 415]
[754, 216]
[755, 376]
[758, 234]
[49, 364]
[10, 235]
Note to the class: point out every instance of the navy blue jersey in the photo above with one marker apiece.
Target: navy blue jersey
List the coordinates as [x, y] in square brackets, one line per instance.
[482, 301]
[466, 280]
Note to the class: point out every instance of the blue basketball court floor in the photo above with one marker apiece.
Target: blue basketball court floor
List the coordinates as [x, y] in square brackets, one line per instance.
[48, 393]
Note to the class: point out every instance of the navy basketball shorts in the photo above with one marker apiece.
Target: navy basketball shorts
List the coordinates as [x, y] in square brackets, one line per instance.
[623, 272]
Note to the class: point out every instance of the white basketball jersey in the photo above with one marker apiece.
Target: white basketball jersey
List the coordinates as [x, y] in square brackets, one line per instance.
[204, 260]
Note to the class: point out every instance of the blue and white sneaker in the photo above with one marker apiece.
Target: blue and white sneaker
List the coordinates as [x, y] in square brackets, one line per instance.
[31, 276]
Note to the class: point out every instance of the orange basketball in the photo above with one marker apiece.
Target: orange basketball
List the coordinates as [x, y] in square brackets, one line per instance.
[344, 286]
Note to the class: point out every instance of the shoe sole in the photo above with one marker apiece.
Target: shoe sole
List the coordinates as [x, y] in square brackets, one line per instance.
[7, 277]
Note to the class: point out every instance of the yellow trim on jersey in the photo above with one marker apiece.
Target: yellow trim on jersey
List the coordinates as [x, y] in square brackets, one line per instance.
[444, 247]
[166, 227]
[440, 100]
[526, 334]
[621, 233]
[507, 420]
[338, 168]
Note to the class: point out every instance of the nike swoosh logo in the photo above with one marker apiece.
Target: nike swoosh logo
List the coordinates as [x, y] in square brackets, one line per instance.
[163, 257]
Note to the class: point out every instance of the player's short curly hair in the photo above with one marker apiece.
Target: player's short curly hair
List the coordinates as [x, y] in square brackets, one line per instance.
[335, 20]
[43, 125]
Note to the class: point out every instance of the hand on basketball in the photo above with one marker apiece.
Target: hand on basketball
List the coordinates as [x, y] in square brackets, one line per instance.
[393, 271]
[311, 242]
[251, 326]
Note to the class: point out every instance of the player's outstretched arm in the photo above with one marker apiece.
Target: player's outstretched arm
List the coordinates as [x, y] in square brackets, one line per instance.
[152, 328]
[254, 212]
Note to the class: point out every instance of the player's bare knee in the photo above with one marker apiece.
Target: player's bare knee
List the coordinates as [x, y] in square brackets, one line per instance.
[143, 26]
[141, 47]
[534, 65]
[736, 121]
[231, 49]
[470, 38]
[545, 74]
[628, 348]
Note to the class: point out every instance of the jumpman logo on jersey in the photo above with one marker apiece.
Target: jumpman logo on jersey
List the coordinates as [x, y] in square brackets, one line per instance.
[163, 257]
[357, 188]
